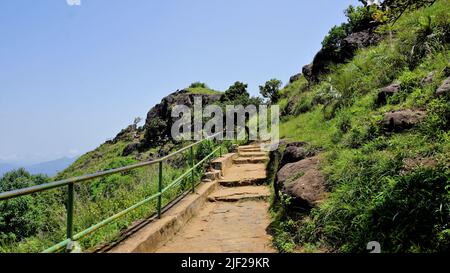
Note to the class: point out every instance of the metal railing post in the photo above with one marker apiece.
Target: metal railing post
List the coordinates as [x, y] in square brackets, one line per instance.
[160, 188]
[192, 169]
[70, 194]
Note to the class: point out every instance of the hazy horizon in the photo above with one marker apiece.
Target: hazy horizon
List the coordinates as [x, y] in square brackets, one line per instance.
[73, 76]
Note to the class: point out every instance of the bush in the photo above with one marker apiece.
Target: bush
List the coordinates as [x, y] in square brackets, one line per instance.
[438, 118]
[29, 215]
[198, 85]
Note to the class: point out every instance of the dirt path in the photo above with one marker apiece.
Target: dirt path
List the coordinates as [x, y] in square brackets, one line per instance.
[235, 218]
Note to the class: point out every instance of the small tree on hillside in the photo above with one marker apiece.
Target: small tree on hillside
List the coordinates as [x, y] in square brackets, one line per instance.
[271, 90]
[137, 121]
[198, 85]
[237, 93]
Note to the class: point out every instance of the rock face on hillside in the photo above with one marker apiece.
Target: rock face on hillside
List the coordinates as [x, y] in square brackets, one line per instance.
[402, 120]
[131, 133]
[157, 129]
[295, 152]
[325, 57]
[303, 182]
[295, 77]
[386, 92]
[444, 88]
[159, 119]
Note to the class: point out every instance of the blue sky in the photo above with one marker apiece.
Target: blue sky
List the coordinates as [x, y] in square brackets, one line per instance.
[73, 76]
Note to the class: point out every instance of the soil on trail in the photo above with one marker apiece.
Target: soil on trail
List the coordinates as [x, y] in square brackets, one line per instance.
[235, 218]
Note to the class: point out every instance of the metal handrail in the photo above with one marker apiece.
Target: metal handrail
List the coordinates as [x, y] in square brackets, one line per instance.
[72, 181]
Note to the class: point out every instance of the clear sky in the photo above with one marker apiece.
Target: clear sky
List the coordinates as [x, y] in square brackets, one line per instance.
[73, 76]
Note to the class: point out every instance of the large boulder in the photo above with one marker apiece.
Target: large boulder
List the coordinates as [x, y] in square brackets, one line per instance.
[428, 79]
[357, 40]
[159, 119]
[386, 92]
[294, 152]
[307, 70]
[294, 78]
[346, 50]
[444, 88]
[402, 120]
[131, 148]
[130, 133]
[303, 182]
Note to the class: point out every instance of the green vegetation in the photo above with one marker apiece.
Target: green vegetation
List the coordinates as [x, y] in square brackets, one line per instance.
[271, 90]
[390, 187]
[35, 222]
[393, 188]
[200, 88]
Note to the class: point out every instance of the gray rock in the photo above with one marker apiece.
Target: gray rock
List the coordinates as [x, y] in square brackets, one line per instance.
[131, 148]
[303, 182]
[386, 92]
[294, 78]
[294, 152]
[346, 50]
[360, 39]
[307, 70]
[444, 88]
[428, 79]
[402, 120]
[159, 119]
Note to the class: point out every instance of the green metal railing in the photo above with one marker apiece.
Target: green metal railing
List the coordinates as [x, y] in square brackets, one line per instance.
[69, 183]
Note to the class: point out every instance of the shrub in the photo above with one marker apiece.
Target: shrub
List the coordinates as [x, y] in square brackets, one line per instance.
[29, 215]
[438, 118]
[271, 90]
[198, 85]
[344, 123]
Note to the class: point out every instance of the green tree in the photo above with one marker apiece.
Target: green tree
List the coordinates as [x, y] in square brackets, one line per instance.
[26, 216]
[392, 10]
[271, 90]
[237, 93]
[198, 85]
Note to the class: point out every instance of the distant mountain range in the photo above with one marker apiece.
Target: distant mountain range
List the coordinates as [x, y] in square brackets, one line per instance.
[50, 168]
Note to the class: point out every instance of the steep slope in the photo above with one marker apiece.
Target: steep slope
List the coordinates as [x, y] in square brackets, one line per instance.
[380, 123]
[134, 143]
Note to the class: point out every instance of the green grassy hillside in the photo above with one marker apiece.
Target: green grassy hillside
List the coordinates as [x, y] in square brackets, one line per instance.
[390, 187]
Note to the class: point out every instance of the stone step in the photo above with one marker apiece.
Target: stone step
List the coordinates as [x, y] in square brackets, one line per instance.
[247, 193]
[249, 150]
[244, 175]
[212, 175]
[224, 163]
[253, 146]
[252, 154]
[241, 183]
[251, 160]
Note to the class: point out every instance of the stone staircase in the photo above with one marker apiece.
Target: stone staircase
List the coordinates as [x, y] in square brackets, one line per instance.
[240, 175]
[228, 213]
[234, 217]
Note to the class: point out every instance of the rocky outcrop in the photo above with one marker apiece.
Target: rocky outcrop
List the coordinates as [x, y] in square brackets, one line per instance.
[402, 120]
[131, 148]
[294, 152]
[386, 92]
[131, 133]
[347, 48]
[444, 88]
[428, 79]
[159, 119]
[303, 182]
[294, 78]
[357, 40]
[307, 70]
[411, 164]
